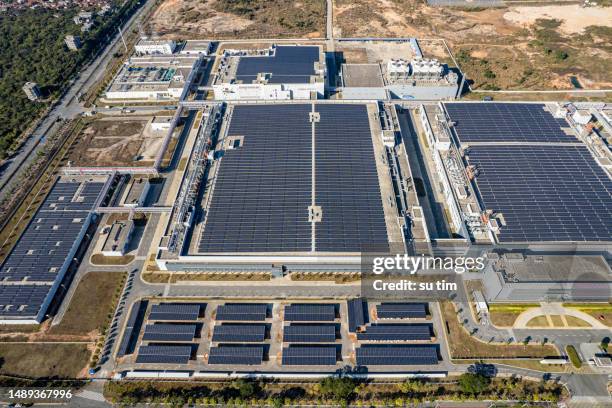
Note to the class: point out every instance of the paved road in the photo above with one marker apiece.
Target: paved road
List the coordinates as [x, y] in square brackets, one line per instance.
[68, 106]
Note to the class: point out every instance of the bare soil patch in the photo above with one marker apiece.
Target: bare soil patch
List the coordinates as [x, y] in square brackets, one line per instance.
[514, 48]
[192, 19]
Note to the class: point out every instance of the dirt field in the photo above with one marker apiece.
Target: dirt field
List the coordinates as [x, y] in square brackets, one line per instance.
[44, 360]
[84, 317]
[117, 142]
[193, 19]
[535, 47]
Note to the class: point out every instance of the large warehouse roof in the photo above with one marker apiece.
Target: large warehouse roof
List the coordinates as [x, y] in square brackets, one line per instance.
[42, 253]
[265, 187]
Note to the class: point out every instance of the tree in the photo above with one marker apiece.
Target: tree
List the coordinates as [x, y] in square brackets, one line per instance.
[246, 389]
[472, 383]
[338, 388]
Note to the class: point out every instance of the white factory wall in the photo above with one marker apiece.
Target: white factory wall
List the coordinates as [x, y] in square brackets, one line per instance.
[425, 92]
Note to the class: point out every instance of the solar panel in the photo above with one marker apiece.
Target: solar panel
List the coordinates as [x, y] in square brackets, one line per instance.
[310, 312]
[347, 187]
[289, 64]
[396, 332]
[309, 355]
[239, 333]
[392, 355]
[544, 193]
[309, 333]
[242, 311]
[163, 354]
[236, 355]
[132, 327]
[401, 311]
[43, 252]
[263, 189]
[357, 314]
[509, 122]
[169, 332]
[175, 312]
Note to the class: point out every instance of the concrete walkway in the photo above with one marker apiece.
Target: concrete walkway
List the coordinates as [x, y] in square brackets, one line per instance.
[555, 309]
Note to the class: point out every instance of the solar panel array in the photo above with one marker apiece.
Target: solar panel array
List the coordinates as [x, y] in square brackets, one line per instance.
[248, 333]
[248, 355]
[347, 185]
[401, 311]
[289, 64]
[397, 355]
[396, 332]
[175, 312]
[357, 314]
[169, 332]
[310, 312]
[506, 122]
[263, 189]
[44, 250]
[545, 193]
[163, 354]
[132, 327]
[243, 312]
[309, 355]
[309, 333]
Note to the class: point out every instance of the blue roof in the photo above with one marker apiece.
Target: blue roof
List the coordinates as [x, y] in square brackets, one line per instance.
[288, 65]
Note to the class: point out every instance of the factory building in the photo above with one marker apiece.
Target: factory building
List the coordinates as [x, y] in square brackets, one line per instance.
[153, 77]
[281, 72]
[421, 78]
[154, 47]
[118, 238]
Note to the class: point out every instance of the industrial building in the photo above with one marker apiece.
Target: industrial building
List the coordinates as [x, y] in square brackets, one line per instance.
[118, 238]
[145, 46]
[553, 278]
[35, 268]
[535, 180]
[154, 77]
[196, 47]
[420, 78]
[319, 202]
[280, 72]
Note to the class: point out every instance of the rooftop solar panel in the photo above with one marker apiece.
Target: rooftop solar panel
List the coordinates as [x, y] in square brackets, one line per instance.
[545, 193]
[239, 333]
[132, 327]
[242, 312]
[169, 332]
[236, 355]
[163, 354]
[175, 312]
[309, 312]
[263, 190]
[289, 64]
[347, 187]
[509, 122]
[44, 250]
[392, 355]
[309, 355]
[309, 333]
[396, 332]
[401, 311]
